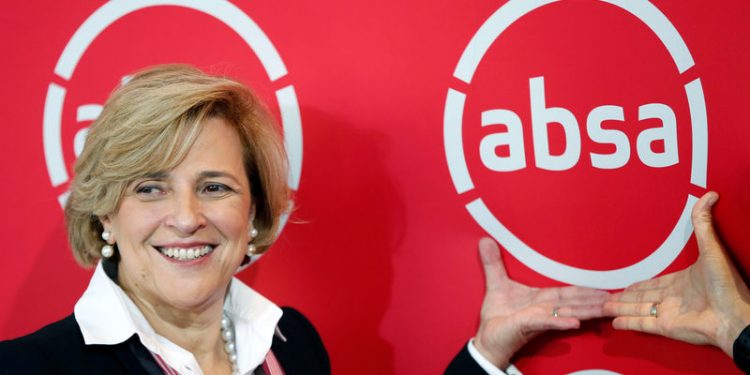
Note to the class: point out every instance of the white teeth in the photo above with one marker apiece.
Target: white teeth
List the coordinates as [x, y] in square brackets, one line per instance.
[186, 254]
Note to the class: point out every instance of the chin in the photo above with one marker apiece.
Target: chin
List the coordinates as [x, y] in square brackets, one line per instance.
[186, 295]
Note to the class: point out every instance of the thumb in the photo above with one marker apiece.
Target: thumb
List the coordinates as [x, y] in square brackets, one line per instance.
[494, 271]
[703, 222]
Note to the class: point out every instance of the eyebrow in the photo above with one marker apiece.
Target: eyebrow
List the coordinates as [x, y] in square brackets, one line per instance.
[214, 174]
[202, 175]
[156, 176]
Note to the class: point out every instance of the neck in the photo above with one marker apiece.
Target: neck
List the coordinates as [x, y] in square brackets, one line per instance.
[196, 330]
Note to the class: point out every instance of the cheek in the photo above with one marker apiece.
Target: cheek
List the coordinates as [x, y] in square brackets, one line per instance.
[133, 227]
[238, 230]
[233, 223]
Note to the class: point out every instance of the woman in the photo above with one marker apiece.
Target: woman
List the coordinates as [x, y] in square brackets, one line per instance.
[182, 180]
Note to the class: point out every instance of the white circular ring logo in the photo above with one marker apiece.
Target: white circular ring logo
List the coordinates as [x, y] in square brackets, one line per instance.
[675, 241]
[113, 10]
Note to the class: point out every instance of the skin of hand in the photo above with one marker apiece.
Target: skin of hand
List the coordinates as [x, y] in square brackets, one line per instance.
[513, 313]
[706, 303]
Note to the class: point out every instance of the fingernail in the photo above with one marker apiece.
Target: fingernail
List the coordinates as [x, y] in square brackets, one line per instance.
[712, 199]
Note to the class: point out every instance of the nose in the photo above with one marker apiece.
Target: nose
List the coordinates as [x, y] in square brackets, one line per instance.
[186, 215]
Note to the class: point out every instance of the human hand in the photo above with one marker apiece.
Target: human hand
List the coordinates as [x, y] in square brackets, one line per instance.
[513, 313]
[706, 303]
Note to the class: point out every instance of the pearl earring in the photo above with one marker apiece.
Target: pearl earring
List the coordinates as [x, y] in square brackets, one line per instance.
[251, 249]
[107, 250]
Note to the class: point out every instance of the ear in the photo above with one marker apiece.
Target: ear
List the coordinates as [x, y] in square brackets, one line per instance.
[106, 223]
[252, 213]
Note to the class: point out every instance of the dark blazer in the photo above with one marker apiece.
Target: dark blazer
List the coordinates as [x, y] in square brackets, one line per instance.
[464, 364]
[59, 349]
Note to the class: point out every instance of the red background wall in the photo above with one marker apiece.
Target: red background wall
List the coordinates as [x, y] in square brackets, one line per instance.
[380, 252]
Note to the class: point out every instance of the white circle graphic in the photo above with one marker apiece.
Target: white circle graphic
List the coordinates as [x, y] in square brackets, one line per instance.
[222, 10]
[674, 242]
[594, 372]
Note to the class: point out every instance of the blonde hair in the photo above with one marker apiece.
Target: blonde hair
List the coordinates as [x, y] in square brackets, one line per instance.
[148, 125]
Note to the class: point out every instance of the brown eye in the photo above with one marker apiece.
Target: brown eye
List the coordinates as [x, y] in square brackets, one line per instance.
[216, 189]
[149, 191]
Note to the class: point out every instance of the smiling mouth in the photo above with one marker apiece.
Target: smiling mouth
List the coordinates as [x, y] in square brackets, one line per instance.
[185, 254]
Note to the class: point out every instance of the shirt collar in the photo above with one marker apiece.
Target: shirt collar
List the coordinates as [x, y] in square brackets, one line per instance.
[107, 316]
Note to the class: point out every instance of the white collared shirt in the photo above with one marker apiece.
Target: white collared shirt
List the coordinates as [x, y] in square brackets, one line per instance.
[487, 366]
[107, 316]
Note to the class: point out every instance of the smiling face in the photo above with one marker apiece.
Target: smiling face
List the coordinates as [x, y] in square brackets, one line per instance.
[182, 233]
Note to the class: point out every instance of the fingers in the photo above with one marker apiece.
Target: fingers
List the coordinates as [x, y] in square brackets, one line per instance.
[627, 309]
[582, 312]
[703, 224]
[641, 324]
[577, 311]
[571, 296]
[553, 323]
[569, 293]
[542, 318]
[494, 270]
[649, 295]
[657, 283]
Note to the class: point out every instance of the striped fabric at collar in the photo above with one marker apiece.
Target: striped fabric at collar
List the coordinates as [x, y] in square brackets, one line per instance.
[270, 365]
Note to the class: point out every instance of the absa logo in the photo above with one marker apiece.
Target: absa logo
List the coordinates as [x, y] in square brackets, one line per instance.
[569, 124]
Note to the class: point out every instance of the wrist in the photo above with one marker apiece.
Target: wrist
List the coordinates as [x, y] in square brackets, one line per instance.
[498, 358]
[741, 349]
[734, 327]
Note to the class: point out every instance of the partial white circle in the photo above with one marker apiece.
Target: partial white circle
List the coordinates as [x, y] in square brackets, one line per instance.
[79, 141]
[594, 372]
[222, 10]
[113, 10]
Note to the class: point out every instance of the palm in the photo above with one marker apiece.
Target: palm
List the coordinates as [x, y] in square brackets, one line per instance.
[513, 313]
[687, 313]
[707, 303]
